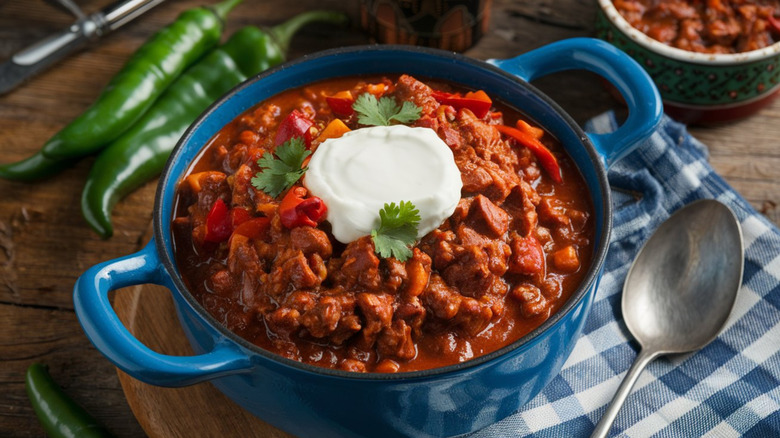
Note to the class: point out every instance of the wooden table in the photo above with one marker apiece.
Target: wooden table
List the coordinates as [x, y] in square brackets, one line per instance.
[46, 245]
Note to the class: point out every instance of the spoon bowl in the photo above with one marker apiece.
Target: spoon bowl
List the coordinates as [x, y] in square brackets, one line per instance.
[680, 289]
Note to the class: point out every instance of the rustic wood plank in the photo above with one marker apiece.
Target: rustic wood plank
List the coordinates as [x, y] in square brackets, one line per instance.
[54, 337]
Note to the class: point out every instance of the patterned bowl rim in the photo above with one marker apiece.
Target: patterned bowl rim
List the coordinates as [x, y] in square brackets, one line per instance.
[645, 41]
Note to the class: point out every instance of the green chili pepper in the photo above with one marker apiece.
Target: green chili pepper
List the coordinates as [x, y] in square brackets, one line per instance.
[33, 168]
[60, 416]
[130, 93]
[140, 153]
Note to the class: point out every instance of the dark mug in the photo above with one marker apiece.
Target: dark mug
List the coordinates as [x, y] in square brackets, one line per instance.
[452, 25]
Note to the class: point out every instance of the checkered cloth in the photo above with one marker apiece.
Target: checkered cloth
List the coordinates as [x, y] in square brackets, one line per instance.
[730, 388]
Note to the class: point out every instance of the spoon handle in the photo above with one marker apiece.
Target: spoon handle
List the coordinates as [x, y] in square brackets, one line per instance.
[605, 424]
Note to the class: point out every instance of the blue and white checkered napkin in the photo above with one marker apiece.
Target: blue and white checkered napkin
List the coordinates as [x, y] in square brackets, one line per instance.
[730, 388]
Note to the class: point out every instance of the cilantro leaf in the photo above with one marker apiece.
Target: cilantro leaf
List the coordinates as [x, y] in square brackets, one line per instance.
[381, 112]
[279, 173]
[409, 113]
[397, 230]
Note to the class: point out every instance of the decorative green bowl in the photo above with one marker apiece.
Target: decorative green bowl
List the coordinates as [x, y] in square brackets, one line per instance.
[697, 87]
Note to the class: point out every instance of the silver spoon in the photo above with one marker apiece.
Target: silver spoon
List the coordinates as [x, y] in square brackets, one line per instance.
[680, 289]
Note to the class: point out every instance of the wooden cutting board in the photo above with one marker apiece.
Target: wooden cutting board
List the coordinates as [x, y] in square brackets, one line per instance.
[194, 411]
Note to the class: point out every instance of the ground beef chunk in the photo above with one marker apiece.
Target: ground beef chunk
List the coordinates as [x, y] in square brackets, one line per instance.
[332, 317]
[470, 273]
[442, 300]
[488, 218]
[284, 321]
[377, 310]
[473, 316]
[311, 240]
[410, 89]
[291, 271]
[486, 151]
[357, 267]
[521, 204]
[532, 300]
[553, 212]
[496, 250]
[394, 273]
[221, 283]
[413, 312]
[243, 263]
[396, 341]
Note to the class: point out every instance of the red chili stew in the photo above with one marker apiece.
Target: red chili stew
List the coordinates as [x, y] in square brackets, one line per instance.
[711, 26]
[515, 249]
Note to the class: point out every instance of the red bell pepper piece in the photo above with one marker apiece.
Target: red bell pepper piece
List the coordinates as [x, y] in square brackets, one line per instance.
[253, 228]
[295, 125]
[295, 210]
[238, 216]
[546, 159]
[477, 101]
[218, 224]
[341, 103]
[222, 222]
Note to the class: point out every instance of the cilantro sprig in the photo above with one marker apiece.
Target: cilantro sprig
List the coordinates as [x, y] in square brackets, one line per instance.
[279, 173]
[383, 111]
[397, 230]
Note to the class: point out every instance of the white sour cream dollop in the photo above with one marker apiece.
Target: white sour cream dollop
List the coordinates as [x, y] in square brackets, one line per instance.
[357, 173]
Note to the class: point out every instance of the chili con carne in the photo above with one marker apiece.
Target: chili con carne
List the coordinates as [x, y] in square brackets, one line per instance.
[515, 249]
[723, 26]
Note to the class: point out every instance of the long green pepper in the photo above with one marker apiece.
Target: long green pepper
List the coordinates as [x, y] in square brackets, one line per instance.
[60, 416]
[140, 154]
[130, 93]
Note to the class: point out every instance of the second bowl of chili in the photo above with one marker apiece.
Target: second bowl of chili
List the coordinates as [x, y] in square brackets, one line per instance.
[305, 374]
[712, 63]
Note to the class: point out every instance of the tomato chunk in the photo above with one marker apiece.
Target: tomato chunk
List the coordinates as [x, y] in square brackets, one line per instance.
[218, 224]
[295, 125]
[341, 103]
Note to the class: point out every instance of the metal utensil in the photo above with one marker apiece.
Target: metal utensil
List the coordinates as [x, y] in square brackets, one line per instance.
[680, 289]
[69, 6]
[46, 52]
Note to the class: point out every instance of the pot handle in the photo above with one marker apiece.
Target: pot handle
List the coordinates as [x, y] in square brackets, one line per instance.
[636, 86]
[107, 333]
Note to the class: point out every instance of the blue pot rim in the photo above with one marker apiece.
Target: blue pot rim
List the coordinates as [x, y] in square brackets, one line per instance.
[588, 282]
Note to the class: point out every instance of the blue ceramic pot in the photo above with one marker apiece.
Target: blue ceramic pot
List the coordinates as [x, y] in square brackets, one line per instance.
[309, 401]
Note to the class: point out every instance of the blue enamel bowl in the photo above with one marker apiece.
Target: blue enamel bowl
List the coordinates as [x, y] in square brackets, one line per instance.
[309, 401]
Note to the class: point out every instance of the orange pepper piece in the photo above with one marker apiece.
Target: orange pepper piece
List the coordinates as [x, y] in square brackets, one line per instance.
[335, 129]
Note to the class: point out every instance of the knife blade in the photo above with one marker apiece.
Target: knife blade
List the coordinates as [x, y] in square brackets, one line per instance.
[48, 51]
